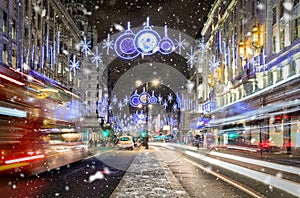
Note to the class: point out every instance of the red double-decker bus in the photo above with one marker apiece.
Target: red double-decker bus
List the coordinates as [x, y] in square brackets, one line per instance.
[38, 124]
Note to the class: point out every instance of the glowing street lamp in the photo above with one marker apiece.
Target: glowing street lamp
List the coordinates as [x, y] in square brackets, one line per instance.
[256, 37]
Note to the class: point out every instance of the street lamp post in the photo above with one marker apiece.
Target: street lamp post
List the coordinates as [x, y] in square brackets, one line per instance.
[146, 139]
[146, 103]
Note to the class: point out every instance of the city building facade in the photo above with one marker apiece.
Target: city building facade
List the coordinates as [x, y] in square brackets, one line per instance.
[250, 69]
[44, 39]
[43, 36]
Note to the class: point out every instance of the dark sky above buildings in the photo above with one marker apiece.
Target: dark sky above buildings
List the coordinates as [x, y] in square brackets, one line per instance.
[111, 16]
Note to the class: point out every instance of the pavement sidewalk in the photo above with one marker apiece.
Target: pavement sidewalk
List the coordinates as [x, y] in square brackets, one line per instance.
[148, 177]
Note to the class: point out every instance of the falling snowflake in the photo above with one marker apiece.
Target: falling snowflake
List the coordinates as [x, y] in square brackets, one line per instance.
[86, 46]
[170, 97]
[97, 57]
[108, 44]
[214, 65]
[180, 44]
[165, 104]
[74, 64]
[191, 58]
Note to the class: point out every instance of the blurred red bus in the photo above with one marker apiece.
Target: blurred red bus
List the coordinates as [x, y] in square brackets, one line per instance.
[38, 128]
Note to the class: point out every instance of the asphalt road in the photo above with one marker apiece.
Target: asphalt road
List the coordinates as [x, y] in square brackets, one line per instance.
[96, 176]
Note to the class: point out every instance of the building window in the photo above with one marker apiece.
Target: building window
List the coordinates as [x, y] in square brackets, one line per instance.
[281, 9]
[59, 68]
[282, 38]
[26, 3]
[4, 22]
[14, 58]
[253, 8]
[39, 21]
[274, 44]
[274, 15]
[13, 29]
[297, 28]
[4, 54]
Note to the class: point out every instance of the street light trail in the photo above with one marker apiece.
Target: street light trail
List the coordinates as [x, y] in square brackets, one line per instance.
[226, 179]
[288, 186]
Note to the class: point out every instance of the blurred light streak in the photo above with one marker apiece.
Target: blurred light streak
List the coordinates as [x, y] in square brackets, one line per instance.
[288, 186]
[260, 113]
[11, 166]
[287, 93]
[12, 112]
[71, 93]
[24, 159]
[280, 167]
[11, 80]
[28, 77]
[231, 182]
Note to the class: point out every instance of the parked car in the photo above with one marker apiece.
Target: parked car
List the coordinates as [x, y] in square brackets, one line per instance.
[126, 142]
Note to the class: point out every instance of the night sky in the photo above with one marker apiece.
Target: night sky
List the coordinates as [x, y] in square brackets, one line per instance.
[111, 16]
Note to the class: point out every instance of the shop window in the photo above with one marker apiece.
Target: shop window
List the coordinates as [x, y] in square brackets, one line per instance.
[292, 68]
[279, 73]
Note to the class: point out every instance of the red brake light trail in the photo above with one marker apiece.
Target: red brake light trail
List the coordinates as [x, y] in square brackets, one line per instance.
[11, 80]
[28, 77]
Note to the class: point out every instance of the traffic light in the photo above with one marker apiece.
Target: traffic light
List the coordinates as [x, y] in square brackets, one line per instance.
[105, 133]
[233, 135]
[143, 134]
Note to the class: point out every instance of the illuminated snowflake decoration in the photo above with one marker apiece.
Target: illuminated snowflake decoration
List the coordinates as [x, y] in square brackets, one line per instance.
[180, 44]
[110, 108]
[108, 44]
[165, 104]
[159, 98]
[126, 100]
[86, 46]
[178, 100]
[214, 65]
[174, 107]
[97, 57]
[201, 44]
[170, 97]
[115, 100]
[74, 64]
[120, 105]
[191, 58]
